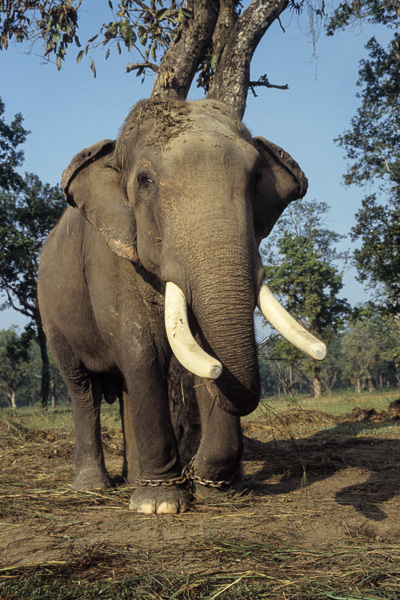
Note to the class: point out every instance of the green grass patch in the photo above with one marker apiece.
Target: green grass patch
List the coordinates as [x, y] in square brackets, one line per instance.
[270, 410]
[59, 418]
[335, 404]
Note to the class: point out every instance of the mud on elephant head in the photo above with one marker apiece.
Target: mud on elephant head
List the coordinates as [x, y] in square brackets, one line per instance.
[188, 194]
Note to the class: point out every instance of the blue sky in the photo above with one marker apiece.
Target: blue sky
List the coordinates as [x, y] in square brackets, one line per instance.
[68, 110]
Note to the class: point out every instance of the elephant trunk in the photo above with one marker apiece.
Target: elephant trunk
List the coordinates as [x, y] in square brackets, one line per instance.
[223, 301]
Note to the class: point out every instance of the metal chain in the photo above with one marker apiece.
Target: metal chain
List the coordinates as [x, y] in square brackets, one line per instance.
[188, 471]
[181, 479]
[187, 475]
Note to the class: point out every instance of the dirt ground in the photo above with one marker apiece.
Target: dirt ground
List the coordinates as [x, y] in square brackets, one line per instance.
[311, 491]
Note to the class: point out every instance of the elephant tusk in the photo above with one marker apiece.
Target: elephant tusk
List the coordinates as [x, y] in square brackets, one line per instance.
[182, 343]
[290, 329]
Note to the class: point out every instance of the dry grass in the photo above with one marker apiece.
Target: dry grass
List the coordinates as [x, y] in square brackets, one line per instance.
[221, 568]
[307, 529]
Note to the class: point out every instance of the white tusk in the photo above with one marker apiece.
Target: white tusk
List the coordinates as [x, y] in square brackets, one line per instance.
[182, 343]
[290, 329]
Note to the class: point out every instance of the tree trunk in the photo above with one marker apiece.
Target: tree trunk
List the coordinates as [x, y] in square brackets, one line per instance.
[53, 396]
[370, 384]
[12, 399]
[290, 377]
[45, 382]
[317, 386]
[231, 81]
[180, 63]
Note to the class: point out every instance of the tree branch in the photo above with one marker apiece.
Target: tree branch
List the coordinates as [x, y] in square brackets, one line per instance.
[144, 65]
[231, 81]
[263, 82]
[13, 305]
[182, 58]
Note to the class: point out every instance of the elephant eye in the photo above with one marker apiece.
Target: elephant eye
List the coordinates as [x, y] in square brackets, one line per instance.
[144, 180]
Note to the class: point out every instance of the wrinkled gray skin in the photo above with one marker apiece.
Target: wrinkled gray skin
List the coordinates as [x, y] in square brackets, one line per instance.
[184, 195]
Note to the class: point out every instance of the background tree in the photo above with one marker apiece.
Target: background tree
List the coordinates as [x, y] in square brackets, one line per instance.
[300, 268]
[14, 355]
[369, 348]
[373, 149]
[12, 136]
[21, 371]
[30, 390]
[26, 217]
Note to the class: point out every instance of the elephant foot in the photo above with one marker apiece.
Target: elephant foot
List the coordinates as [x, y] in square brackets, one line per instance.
[159, 500]
[92, 478]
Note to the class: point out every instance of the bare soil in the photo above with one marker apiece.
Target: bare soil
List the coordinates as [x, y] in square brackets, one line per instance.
[313, 492]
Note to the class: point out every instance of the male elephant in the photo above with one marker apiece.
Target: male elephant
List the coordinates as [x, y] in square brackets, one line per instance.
[159, 246]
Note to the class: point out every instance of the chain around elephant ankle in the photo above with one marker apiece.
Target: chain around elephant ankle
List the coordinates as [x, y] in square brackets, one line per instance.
[189, 474]
[178, 480]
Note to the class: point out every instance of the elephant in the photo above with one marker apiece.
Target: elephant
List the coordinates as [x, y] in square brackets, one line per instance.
[158, 255]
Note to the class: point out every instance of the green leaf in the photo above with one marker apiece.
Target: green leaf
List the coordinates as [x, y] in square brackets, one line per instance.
[128, 36]
[80, 56]
[213, 63]
[160, 14]
[58, 63]
[93, 68]
[110, 4]
[111, 31]
[187, 14]
[175, 35]
[143, 39]
[56, 37]
[108, 53]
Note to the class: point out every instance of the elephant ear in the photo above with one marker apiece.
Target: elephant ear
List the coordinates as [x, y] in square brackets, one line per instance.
[91, 184]
[281, 182]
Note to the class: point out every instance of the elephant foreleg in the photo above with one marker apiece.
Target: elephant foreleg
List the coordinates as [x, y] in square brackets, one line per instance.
[130, 469]
[159, 486]
[218, 459]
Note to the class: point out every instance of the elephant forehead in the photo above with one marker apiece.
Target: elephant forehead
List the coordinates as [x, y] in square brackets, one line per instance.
[202, 146]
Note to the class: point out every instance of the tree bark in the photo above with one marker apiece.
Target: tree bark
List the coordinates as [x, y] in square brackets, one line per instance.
[317, 386]
[179, 65]
[230, 83]
[53, 396]
[12, 398]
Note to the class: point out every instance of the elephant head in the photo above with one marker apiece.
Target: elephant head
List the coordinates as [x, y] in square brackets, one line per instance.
[189, 194]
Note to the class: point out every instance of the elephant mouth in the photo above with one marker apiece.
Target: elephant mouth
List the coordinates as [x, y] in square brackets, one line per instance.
[199, 362]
